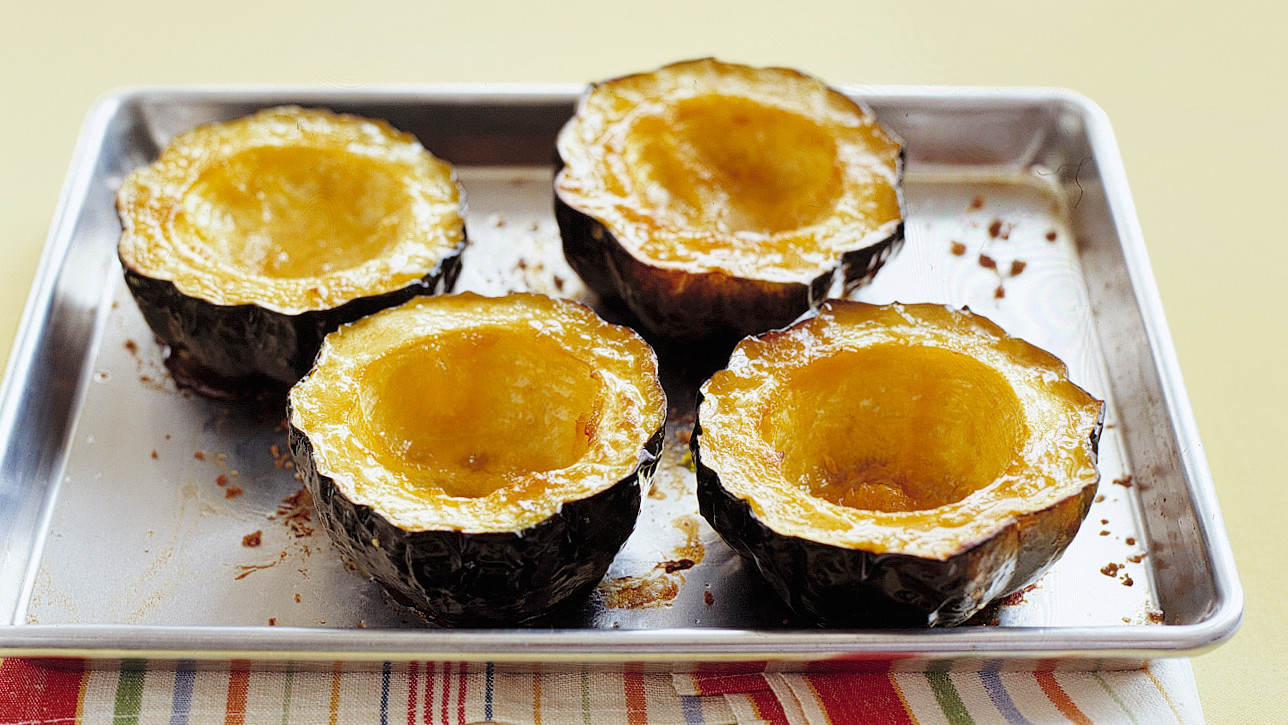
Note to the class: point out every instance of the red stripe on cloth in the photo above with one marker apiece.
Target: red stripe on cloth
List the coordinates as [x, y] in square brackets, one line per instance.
[31, 693]
[860, 698]
[768, 708]
[447, 692]
[729, 684]
[730, 668]
[462, 691]
[411, 692]
[430, 680]
[636, 701]
[1058, 697]
[238, 686]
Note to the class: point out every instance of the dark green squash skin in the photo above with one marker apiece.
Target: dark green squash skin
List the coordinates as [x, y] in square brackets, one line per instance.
[860, 589]
[239, 351]
[460, 579]
[686, 314]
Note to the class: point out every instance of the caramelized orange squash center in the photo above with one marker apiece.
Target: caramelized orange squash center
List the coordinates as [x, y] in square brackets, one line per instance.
[479, 413]
[294, 212]
[896, 427]
[734, 165]
[470, 410]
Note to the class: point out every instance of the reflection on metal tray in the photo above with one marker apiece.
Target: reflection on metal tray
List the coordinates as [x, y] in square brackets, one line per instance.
[126, 505]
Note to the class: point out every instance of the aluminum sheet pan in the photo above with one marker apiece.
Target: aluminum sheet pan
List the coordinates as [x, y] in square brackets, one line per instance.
[124, 502]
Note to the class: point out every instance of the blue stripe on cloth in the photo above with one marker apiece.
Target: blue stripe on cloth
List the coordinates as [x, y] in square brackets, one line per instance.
[996, 690]
[691, 706]
[384, 693]
[185, 674]
[487, 693]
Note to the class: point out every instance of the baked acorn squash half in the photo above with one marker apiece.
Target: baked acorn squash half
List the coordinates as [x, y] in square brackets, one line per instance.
[718, 200]
[480, 458]
[896, 465]
[248, 240]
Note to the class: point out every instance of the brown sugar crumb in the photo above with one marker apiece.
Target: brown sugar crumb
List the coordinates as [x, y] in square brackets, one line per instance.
[999, 229]
[253, 539]
[987, 262]
[957, 248]
[1104, 521]
[999, 293]
[1017, 266]
[639, 592]
[221, 479]
[1125, 481]
[1127, 580]
[977, 202]
[1051, 236]
[1110, 569]
[132, 346]
[680, 565]
[154, 454]
[297, 512]
[199, 455]
[272, 621]
[1100, 498]
[1016, 597]
[232, 491]
[1130, 541]
[1155, 616]
[708, 598]
[1104, 533]
[1136, 558]
[297, 597]
[281, 459]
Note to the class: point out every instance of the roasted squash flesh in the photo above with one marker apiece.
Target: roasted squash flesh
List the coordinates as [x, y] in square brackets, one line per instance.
[478, 408]
[477, 413]
[289, 213]
[759, 173]
[895, 427]
[732, 166]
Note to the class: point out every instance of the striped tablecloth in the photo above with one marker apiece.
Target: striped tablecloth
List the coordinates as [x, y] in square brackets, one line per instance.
[458, 694]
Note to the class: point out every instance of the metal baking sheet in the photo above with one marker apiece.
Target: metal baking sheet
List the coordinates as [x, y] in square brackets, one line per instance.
[125, 503]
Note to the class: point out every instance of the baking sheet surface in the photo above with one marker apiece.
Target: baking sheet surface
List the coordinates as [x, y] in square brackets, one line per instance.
[172, 513]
